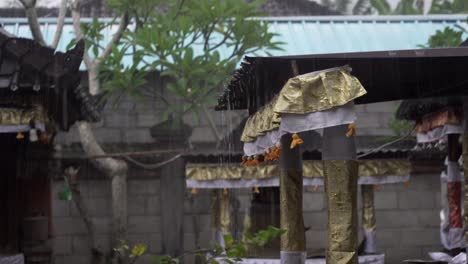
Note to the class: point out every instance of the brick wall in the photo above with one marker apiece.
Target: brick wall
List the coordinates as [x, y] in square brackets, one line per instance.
[407, 218]
[129, 123]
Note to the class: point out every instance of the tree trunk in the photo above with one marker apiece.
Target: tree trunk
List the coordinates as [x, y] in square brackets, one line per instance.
[114, 169]
[72, 175]
[119, 205]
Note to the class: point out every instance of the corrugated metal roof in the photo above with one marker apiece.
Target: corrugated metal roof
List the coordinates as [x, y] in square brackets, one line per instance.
[307, 35]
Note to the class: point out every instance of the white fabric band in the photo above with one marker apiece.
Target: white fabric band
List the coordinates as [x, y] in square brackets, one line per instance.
[295, 123]
[20, 128]
[456, 238]
[367, 259]
[453, 172]
[293, 257]
[442, 256]
[438, 133]
[274, 182]
[370, 245]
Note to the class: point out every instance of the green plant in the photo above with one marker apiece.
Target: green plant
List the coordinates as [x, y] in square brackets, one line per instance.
[399, 127]
[232, 252]
[130, 254]
[404, 7]
[449, 7]
[194, 45]
[449, 37]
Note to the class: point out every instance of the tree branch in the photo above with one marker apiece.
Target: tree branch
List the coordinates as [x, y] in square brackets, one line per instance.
[91, 147]
[31, 14]
[115, 38]
[76, 17]
[71, 174]
[60, 23]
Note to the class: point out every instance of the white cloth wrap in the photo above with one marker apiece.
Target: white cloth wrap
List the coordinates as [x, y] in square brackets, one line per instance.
[456, 238]
[296, 123]
[441, 256]
[340, 115]
[20, 128]
[367, 259]
[274, 182]
[438, 133]
[370, 245]
[453, 172]
[444, 212]
[293, 257]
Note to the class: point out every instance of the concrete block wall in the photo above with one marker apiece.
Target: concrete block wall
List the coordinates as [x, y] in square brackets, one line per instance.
[407, 218]
[129, 122]
[70, 242]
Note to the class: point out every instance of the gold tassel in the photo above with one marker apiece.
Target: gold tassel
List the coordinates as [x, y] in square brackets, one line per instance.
[225, 191]
[194, 191]
[407, 184]
[267, 156]
[20, 135]
[44, 138]
[376, 187]
[255, 161]
[351, 130]
[275, 153]
[296, 140]
[256, 189]
[244, 160]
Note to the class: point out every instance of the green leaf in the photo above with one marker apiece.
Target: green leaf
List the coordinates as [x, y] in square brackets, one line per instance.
[382, 6]
[228, 240]
[65, 195]
[71, 44]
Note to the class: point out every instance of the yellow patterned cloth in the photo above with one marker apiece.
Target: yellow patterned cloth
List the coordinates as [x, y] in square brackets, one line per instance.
[262, 121]
[304, 94]
[311, 169]
[318, 91]
[17, 116]
[291, 203]
[368, 209]
[342, 211]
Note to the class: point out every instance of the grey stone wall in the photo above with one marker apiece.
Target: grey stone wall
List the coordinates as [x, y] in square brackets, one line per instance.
[70, 243]
[407, 218]
[129, 122]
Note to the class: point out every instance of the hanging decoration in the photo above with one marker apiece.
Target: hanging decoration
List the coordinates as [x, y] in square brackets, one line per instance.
[372, 172]
[306, 102]
[16, 120]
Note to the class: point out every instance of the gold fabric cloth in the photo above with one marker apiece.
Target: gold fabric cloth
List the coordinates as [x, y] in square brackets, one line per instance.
[304, 94]
[311, 169]
[262, 121]
[16, 116]
[368, 210]
[341, 188]
[290, 205]
[221, 211]
[465, 171]
[318, 91]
